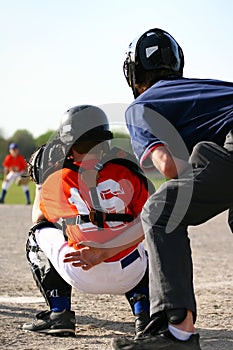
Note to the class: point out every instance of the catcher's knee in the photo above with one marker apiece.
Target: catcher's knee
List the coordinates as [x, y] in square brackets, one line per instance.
[33, 250]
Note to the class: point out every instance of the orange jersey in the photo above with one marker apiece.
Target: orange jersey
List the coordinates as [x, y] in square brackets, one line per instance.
[17, 163]
[119, 190]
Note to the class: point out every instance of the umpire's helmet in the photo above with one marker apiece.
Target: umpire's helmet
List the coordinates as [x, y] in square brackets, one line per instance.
[84, 123]
[155, 50]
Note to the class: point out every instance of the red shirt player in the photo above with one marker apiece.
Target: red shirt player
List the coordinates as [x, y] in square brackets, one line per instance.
[14, 166]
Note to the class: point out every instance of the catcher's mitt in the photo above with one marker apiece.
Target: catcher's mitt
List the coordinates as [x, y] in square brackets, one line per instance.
[45, 160]
[22, 180]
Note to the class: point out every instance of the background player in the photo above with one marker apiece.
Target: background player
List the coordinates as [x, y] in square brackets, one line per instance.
[15, 165]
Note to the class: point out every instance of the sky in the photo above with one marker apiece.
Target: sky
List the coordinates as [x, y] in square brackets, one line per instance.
[56, 54]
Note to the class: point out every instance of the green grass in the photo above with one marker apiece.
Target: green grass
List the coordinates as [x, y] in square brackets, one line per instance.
[15, 194]
[158, 182]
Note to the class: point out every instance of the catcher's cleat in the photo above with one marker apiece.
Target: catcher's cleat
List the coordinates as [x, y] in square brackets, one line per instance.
[141, 321]
[54, 323]
[163, 341]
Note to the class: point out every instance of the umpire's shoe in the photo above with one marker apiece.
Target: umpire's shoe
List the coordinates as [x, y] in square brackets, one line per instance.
[54, 323]
[164, 341]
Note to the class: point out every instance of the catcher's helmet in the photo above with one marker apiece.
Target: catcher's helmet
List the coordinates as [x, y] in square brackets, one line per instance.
[155, 50]
[84, 123]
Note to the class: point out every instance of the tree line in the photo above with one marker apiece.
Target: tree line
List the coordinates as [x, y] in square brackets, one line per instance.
[27, 143]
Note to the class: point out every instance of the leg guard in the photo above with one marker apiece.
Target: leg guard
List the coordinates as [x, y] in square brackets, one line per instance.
[49, 282]
[138, 298]
[139, 294]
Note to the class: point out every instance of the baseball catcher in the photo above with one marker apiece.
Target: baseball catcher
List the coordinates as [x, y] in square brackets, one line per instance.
[87, 231]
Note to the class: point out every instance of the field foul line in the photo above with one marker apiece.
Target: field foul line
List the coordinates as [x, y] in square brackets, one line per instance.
[21, 300]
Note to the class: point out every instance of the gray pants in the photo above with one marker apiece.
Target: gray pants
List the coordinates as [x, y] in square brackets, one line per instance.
[170, 261]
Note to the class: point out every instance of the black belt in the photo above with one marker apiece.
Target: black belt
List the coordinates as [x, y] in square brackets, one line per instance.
[129, 259]
[80, 219]
[44, 223]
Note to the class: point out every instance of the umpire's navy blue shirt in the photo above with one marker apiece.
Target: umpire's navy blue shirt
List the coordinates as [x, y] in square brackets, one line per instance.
[200, 110]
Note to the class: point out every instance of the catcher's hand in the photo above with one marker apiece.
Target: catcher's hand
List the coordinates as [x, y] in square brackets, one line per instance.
[45, 160]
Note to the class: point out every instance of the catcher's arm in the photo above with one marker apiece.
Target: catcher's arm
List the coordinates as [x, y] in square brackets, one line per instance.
[87, 257]
[34, 165]
[37, 214]
[43, 162]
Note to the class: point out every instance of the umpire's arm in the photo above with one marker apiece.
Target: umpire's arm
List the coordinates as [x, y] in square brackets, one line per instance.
[166, 163]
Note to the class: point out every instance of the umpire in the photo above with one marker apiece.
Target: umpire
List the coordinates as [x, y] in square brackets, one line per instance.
[172, 118]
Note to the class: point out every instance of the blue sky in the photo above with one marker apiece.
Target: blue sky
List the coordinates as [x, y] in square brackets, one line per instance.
[59, 53]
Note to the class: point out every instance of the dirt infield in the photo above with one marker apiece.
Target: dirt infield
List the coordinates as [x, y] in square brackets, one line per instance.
[102, 317]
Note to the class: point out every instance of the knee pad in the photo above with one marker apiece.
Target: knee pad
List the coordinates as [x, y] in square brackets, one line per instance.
[176, 316]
